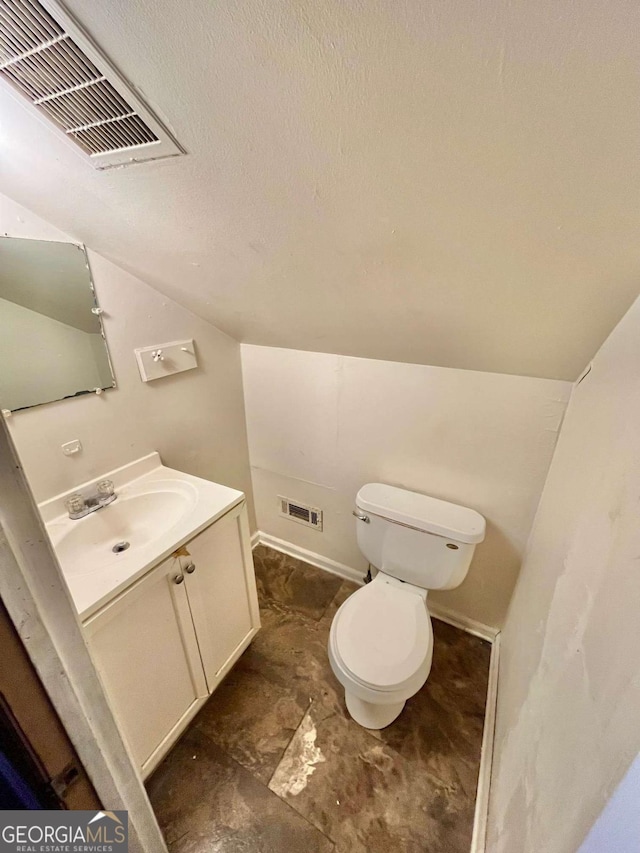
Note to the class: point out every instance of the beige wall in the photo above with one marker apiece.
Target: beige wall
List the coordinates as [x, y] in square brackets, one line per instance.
[320, 426]
[195, 419]
[569, 686]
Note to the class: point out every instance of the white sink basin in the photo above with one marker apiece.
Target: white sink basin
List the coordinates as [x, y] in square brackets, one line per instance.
[157, 511]
[132, 520]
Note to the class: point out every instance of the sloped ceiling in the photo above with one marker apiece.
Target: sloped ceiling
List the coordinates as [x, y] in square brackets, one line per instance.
[454, 184]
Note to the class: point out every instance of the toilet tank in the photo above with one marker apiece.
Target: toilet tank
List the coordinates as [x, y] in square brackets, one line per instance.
[416, 538]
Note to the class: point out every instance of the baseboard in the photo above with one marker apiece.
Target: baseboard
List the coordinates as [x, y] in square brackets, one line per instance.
[479, 838]
[465, 623]
[310, 557]
[471, 626]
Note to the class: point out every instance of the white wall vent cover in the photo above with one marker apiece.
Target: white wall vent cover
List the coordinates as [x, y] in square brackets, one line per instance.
[46, 57]
[303, 514]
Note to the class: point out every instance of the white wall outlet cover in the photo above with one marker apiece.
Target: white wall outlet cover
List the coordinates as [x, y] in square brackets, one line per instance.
[71, 447]
[160, 360]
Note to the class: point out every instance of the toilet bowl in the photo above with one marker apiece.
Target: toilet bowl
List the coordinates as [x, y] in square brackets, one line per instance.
[380, 649]
[381, 640]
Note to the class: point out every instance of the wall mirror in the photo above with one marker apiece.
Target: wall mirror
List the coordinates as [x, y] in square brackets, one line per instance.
[52, 342]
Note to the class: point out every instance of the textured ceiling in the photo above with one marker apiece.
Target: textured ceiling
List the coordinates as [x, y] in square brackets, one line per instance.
[454, 184]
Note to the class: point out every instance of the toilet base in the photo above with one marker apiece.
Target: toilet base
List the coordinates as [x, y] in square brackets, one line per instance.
[372, 716]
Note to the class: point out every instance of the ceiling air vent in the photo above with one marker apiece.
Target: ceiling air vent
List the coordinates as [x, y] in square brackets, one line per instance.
[303, 514]
[46, 56]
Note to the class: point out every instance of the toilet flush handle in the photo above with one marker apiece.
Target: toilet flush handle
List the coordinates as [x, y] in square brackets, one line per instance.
[361, 516]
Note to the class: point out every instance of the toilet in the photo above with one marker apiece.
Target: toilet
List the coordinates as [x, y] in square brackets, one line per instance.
[381, 640]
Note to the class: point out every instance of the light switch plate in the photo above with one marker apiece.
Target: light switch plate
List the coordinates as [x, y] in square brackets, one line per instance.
[166, 359]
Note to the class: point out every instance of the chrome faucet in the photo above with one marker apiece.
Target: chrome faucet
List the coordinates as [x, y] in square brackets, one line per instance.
[78, 505]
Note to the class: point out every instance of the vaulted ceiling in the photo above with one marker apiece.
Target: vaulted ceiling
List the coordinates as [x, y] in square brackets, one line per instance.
[454, 184]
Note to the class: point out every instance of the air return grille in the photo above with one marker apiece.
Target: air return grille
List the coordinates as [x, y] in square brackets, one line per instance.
[49, 60]
[303, 514]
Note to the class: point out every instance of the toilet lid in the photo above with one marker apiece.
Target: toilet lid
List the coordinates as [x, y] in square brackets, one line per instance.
[383, 634]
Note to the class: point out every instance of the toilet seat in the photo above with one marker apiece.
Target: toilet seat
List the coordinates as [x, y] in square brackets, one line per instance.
[382, 636]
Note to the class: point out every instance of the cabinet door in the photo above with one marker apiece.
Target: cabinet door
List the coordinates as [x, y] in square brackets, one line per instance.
[144, 647]
[221, 587]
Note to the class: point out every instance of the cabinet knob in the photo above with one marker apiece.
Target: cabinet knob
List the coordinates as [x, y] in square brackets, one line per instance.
[178, 579]
[190, 569]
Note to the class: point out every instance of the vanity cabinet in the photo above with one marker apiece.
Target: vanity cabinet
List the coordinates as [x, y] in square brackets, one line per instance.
[220, 591]
[145, 648]
[164, 644]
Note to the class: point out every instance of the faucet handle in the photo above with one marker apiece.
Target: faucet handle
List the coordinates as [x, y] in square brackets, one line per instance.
[105, 488]
[75, 504]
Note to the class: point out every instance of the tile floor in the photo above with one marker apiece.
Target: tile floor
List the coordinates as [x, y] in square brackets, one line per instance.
[273, 763]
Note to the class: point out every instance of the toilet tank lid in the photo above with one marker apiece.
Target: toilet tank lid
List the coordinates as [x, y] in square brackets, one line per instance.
[423, 512]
